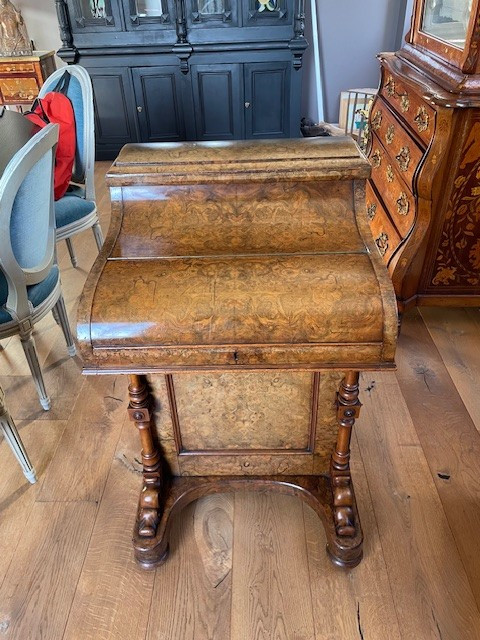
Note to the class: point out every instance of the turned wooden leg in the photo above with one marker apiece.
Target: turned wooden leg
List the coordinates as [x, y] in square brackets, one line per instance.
[348, 409]
[139, 409]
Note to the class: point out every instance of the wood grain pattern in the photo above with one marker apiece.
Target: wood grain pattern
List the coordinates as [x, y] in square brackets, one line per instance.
[198, 608]
[246, 411]
[270, 567]
[99, 415]
[110, 597]
[453, 469]
[412, 522]
[211, 220]
[38, 589]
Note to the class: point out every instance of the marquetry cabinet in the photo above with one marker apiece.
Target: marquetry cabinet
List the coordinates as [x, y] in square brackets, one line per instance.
[173, 70]
[423, 199]
[22, 76]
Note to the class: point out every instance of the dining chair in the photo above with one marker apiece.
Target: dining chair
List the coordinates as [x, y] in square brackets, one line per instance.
[12, 437]
[29, 275]
[76, 211]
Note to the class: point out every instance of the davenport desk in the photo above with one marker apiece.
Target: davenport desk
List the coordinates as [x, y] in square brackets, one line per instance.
[240, 290]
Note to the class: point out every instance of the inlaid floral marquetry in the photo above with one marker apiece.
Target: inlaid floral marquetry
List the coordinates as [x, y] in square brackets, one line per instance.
[376, 159]
[389, 136]
[403, 158]
[382, 243]
[405, 103]
[389, 173]
[377, 120]
[422, 119]
[403, 205]
[371, 211]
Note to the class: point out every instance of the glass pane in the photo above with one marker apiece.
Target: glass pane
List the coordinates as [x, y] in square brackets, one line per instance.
[447, 20]
[149, 8]
[209, 7]
[94, 9]
[266, 5]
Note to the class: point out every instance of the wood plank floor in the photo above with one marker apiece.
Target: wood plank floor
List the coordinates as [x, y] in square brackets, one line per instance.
[244, 566]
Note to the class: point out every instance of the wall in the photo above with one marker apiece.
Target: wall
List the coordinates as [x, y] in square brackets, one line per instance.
[41, 20]
[351, 34]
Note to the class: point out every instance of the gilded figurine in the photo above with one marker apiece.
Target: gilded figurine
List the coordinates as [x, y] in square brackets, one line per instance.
[14, 40]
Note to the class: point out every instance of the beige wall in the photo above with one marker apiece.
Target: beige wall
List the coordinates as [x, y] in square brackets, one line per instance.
[41, 20]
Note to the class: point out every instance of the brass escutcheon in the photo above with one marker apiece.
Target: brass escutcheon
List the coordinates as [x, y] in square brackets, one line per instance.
[390, 86]
[403, 158]
[389, 173]
[403, 204]
[422, 119]
[377, 120]
[376, 159]
[371, 211]
[382, 243]
[405, 103]
[390, 134]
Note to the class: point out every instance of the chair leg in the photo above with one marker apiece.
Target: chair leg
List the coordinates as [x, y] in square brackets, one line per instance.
[61, 312]
[97, 232]
[28, 345]
[12, 437]
[55, 315]
[71, 251]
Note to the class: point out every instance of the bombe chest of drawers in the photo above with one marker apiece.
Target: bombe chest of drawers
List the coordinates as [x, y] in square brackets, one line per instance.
[240, 291]
[423, 198]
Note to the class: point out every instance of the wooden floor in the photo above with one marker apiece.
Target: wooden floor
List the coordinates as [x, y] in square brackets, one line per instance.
[245, 567]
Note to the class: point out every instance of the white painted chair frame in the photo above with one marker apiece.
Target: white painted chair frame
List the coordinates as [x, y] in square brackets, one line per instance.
[24, 315]
[83, 171]
[12, 437]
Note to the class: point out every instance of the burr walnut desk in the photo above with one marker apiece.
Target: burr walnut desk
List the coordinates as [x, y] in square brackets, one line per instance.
[240, 290]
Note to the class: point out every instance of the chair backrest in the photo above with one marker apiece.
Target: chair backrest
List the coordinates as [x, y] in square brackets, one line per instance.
[27, 218]
[80, 94]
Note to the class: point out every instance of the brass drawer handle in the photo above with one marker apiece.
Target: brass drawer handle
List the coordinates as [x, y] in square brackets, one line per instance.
[422, 119]
[382, 243]
[389, 173]
[390, 134]
[403, 158]
[405, 103]
[371, 211]
[377, 120]
[403, 205]
[376, 159]
[390, 86]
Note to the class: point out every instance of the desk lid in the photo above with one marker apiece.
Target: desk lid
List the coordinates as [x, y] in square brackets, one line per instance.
[244, 255]
[326, 158]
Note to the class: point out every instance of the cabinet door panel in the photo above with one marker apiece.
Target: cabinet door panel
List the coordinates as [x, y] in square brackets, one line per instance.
[90, 16]
[159, 103]
[267, 99]
[218, 98]
[114, 102]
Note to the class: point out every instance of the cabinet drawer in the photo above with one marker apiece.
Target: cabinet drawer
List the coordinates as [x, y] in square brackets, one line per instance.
[385, 235]
[18, 90]
[404, 152]
[398, 199]
[419, 115]
[16, 67]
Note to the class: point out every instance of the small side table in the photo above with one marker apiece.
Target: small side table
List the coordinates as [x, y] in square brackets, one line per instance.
[22, 76]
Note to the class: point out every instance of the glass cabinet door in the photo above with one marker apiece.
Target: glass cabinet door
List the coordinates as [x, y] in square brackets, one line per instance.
[447, 20]
[94, 15]
[205, 12]
[149, 12]
[268, 12]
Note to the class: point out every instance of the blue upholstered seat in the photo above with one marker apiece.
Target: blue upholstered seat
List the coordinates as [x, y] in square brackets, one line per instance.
[36, 293]
[71, 208]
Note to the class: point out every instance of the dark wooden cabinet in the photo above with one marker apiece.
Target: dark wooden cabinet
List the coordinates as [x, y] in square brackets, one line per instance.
[171, 70]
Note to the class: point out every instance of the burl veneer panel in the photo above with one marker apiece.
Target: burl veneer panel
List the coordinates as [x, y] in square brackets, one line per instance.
[291, 217]
[244, 410]
[281, 299]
